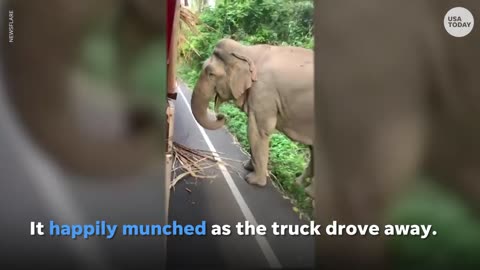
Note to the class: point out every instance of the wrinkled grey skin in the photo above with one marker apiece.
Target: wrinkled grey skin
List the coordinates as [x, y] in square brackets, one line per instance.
[273, 85]
[38, 67]
[396, 96]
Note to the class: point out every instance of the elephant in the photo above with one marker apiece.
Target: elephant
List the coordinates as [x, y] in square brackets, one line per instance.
[38, 66]
[396, 97]
[273, 85]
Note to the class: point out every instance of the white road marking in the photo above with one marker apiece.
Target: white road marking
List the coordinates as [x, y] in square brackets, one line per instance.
[261, 240]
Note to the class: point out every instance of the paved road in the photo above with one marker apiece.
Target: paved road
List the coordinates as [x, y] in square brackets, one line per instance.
[228, 199]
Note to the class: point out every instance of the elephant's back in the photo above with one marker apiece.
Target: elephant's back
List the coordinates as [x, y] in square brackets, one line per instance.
[292, 73]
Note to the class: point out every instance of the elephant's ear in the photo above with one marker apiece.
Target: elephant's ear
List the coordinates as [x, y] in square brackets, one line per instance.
[243, 74]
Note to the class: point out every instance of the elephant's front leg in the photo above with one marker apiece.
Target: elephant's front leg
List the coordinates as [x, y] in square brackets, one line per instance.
[259, 130]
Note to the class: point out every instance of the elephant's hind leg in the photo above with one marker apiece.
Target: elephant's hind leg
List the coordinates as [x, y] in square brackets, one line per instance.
[308, 172]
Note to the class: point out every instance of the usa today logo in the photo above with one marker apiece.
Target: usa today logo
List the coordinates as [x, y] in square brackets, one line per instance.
[458, 22]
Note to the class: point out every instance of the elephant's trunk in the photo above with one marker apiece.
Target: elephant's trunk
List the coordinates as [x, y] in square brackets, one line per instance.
[202, 94]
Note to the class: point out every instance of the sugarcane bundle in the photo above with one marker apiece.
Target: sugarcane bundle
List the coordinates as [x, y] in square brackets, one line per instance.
[198, 163]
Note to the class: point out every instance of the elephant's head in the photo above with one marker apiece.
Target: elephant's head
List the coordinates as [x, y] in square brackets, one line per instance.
[226, 75]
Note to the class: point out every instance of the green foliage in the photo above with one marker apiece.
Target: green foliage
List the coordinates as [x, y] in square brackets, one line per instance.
[236, 123]
[188, 75]
[276, 22]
